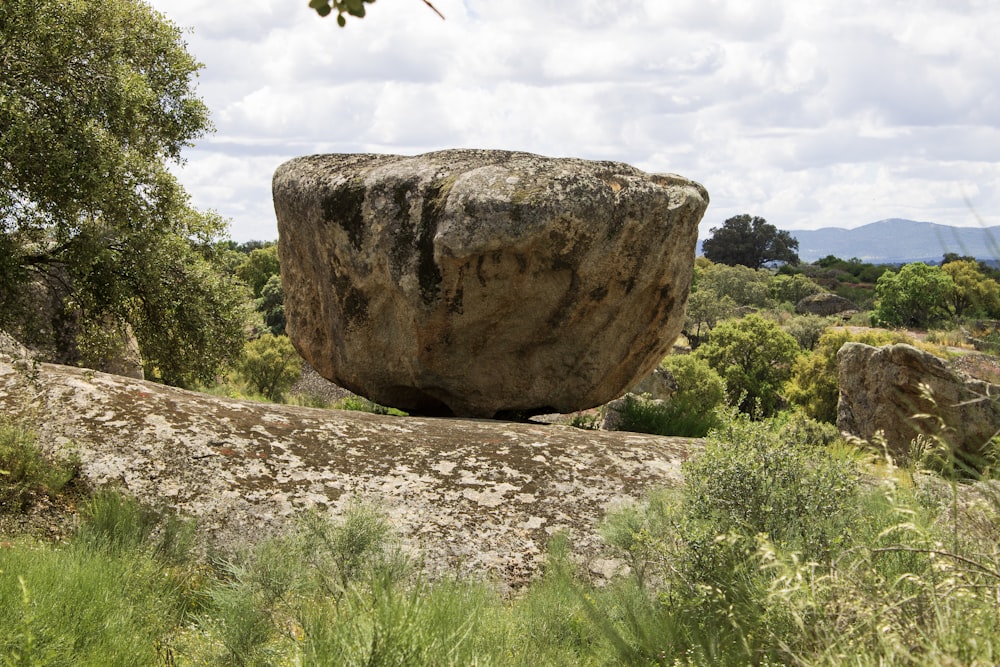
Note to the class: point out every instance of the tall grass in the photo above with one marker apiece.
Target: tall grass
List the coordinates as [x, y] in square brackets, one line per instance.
[25, 471]
[105, 599]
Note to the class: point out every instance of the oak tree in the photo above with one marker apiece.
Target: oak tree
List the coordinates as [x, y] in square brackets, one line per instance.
[750, 241]
[96, 101]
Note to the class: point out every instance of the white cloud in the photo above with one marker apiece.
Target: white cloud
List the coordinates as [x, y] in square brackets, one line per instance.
[810, 114]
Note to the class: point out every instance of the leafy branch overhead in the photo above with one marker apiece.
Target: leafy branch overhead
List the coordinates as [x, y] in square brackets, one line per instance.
[351, 7]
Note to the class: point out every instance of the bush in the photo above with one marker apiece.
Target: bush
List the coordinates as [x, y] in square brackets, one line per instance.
[270, 365]
[25, 471]
[792, 289]
[104, 599]
[753, 355]
[640, 414]
[691, 411]
[807, 329]
[761, 478]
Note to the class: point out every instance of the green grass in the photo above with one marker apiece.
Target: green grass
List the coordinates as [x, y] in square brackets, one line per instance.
[26, 471]
[783, 547]
[361, 404]
[675, 416]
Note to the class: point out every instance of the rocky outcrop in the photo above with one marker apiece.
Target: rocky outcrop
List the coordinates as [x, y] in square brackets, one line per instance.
[660, 384]
[484, 283]
[887, 388]
[824, 304]
[473, 497]
[655, 389]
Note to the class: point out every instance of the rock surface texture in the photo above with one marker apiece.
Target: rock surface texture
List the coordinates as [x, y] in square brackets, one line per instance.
[472, 497]
[882, 388]
[484, 283]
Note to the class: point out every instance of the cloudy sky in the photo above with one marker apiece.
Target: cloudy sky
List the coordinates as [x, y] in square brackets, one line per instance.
[825, 113]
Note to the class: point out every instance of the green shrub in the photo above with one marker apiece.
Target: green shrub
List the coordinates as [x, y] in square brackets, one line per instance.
[753, 355]
[761, 478]
[119, 524]
[792, 288]
[26, 471]
[270, 365]
[584, 420]
[640, 414]
[807, 329]
[362, 404]
[691, 411]
[106, 599]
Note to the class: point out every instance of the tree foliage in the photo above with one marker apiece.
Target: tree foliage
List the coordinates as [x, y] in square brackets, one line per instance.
[271, 305]
[972, 292]
[258, 268]
[792, 289]
[745, 286]
[915, 296]
[753, 355]
[705, 309]
[271, 365]
[352, 8]
[349, 7]
[96, 99]
[750, 241]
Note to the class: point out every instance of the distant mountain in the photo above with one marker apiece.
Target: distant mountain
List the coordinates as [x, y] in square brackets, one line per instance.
[897, 241]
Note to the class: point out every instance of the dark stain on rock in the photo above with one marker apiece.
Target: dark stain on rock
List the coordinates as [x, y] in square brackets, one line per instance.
[354, 302]
[402, 234]
[428, 273]
[599, 294]
[343, 206]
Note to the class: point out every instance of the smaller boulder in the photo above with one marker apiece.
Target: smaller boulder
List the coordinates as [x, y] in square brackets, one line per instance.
[824, 304]
[892, 389]
[660, 384]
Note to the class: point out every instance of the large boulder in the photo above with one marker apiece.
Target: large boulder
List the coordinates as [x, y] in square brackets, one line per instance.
[887, 389]
[484, 283]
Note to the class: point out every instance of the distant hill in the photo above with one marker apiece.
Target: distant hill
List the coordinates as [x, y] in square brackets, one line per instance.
[898, 241]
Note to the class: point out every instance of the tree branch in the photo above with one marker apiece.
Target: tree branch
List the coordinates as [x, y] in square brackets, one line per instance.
[428, 3]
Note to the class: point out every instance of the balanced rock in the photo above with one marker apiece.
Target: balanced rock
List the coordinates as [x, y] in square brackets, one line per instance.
[484, 283]
[889, 389]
